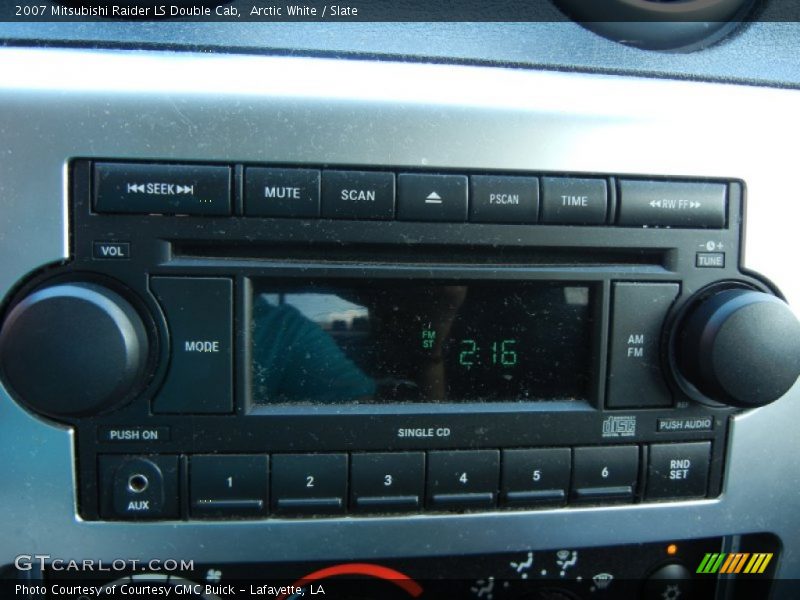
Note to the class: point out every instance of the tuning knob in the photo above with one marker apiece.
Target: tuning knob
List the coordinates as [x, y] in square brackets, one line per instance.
[739, 347]
[73, 349]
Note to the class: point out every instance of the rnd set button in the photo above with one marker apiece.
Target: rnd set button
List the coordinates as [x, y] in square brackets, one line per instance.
[678, 471]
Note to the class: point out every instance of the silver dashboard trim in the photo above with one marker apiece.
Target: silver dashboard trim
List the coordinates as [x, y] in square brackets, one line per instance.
[58, 104]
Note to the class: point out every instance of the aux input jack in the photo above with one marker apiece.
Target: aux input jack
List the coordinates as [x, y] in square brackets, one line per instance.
[138, 483]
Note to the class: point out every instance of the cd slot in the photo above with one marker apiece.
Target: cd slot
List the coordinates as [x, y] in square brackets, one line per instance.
[426, 254]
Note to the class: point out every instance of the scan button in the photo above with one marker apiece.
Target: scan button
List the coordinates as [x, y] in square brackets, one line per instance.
[358, 195]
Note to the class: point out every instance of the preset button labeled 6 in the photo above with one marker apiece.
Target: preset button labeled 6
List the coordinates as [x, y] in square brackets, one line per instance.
[604, 473]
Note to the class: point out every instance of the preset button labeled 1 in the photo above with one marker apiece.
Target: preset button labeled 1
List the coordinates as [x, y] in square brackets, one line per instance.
[224, 486]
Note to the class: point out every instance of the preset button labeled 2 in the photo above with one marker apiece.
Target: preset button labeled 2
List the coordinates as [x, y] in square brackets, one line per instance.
[463, 478]
[309, 483]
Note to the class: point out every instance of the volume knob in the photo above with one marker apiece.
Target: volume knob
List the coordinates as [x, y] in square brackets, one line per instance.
[740, 347]
[73, 349]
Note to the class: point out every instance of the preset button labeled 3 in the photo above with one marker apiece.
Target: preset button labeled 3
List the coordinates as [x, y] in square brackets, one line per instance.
[387, 480]
[463, 478]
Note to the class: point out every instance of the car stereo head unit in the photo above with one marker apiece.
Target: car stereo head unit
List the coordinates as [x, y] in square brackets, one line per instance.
[260, 341]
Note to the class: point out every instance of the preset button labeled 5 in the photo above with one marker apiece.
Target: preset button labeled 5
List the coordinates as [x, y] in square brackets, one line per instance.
[535, 476]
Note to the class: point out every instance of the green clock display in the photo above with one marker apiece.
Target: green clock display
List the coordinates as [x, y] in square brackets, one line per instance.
[502, 353]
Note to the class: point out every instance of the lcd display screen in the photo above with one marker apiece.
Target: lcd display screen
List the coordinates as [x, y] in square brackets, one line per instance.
[358, 342]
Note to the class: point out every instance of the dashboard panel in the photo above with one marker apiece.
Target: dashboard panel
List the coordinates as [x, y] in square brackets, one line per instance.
[61, 105]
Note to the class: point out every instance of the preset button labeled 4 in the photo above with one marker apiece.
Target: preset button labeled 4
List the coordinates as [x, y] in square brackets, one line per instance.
[463, 478]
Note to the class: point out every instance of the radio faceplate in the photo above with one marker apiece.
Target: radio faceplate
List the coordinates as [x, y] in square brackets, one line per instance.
[201, 441]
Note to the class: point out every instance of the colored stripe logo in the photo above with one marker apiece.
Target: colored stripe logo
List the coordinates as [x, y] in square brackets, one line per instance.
[735, 562]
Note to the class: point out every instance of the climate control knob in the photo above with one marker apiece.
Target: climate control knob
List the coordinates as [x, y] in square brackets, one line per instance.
[739, 347]
[73, 349]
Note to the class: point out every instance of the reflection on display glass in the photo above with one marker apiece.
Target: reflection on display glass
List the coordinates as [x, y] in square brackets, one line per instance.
[339, 342]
